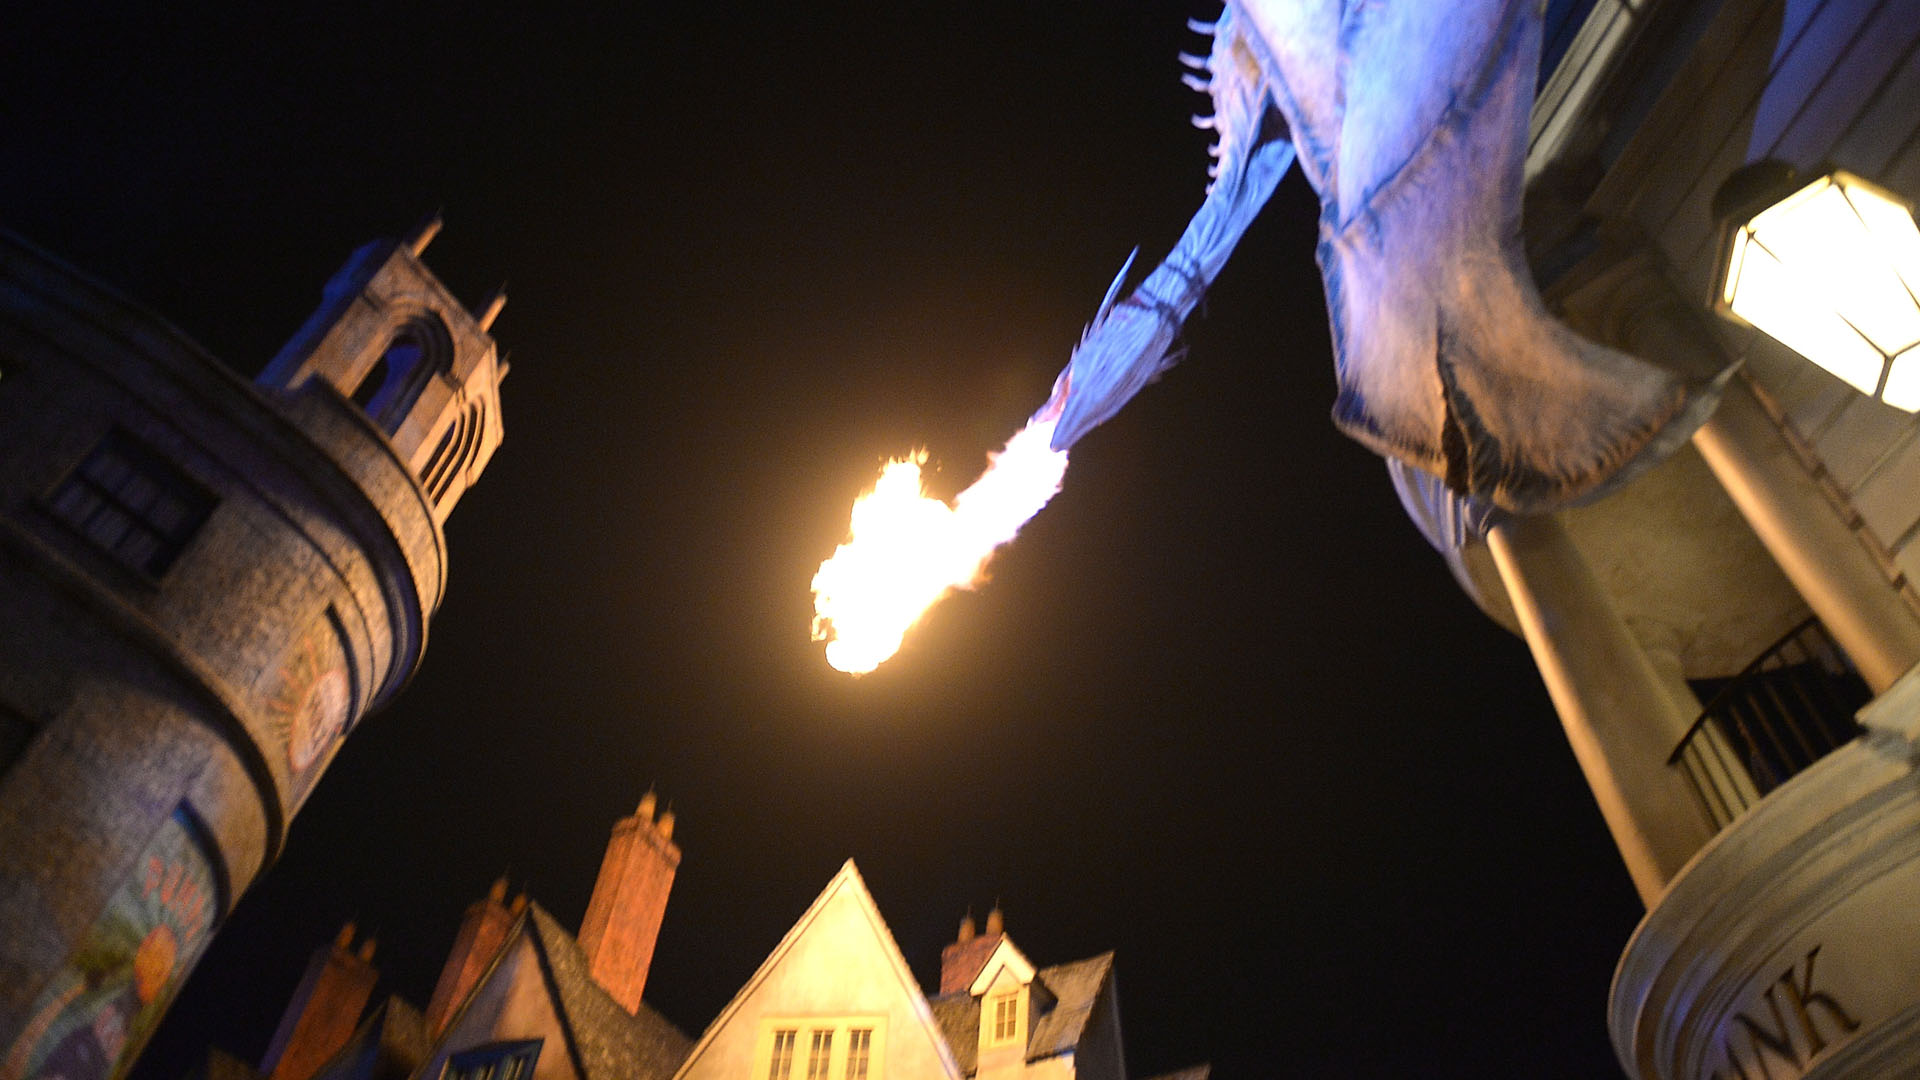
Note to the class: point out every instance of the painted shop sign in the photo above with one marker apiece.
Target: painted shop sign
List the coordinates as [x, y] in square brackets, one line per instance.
[312, 702]
[98, 1010]
[1780, 1034]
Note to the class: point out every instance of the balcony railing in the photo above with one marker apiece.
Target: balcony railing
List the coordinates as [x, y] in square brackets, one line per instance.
[1787, 710]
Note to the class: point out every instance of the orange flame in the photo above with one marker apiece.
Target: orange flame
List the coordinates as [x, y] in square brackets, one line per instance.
[905, 549]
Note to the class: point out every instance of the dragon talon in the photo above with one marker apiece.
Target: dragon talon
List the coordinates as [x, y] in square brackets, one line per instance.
[1199, 27]
[1197, 83]
[1204, 123]
[1197, 63]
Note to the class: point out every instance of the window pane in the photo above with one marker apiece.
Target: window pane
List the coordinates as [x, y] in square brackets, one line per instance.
[781, 1064]
[859, 1047]
[819, 1055]
[132, 503]
[1005, 1017]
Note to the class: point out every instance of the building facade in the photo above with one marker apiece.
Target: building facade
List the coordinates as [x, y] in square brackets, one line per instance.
[1730, 639]
[522, 999]
[205, 584]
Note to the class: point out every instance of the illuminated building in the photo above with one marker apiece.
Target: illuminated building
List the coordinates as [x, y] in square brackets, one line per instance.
[520, 998]
[205, 583]
[1708, 632]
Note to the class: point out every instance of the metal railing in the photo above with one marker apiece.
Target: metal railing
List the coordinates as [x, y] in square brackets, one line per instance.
[1787, 710]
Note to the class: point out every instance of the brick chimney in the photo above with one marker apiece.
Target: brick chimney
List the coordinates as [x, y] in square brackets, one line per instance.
[482, 931]
[960, 962]
[629, 900]
[324, 1009]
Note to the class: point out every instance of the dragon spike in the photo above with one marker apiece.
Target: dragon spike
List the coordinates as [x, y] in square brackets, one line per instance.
[1197, 83]
[1113, 293]
[1204, 123]
[1213, 149]
[1199, 27]
[1197, 63]
[1213, 171]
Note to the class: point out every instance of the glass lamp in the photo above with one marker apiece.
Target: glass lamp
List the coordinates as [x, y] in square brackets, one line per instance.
[1831, 269]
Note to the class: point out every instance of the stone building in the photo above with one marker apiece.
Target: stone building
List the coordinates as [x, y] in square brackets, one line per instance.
[1710, 632]
[521, 999]
[205, 583]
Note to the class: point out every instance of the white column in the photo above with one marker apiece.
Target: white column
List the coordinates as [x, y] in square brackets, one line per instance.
[1806, 535]
[1620, 718]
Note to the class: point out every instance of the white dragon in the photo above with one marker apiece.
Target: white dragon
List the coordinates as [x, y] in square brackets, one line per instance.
[1409, 119]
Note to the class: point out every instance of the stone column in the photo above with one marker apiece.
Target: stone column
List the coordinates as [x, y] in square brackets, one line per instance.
[1806, 535]
[1619, 716]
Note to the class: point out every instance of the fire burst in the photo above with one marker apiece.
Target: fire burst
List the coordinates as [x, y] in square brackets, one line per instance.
[906, 549]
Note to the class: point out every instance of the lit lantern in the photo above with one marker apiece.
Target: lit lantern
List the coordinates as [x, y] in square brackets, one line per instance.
[1831, 269]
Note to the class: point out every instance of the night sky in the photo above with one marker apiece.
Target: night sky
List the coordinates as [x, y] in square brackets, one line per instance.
[1220, 709]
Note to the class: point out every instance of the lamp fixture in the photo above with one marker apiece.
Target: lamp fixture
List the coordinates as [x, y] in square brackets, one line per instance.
[1830, 268]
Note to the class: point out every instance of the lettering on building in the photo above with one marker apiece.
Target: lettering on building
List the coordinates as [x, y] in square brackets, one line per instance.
[1798, 1024]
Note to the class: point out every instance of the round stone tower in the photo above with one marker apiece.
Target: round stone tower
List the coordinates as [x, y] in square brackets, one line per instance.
[204, 585]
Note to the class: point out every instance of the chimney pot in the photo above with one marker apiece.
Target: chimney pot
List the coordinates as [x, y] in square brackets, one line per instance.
[996, 922]
[366, 950]
[665, 825]
[967, 930]
[647, 803]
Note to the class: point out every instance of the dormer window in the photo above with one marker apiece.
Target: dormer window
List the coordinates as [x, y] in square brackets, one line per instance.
[1006, 1017]
[495, 1061]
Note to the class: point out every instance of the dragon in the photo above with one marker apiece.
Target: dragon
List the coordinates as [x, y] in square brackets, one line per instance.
[1409, 119]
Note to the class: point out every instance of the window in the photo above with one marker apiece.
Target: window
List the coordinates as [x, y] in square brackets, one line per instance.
[833, 1048]
[780, 1066]
[819, 1055]
[859, 1051]
[418, 349]
[495, 1061]
[133, 504]
[1006, 1017]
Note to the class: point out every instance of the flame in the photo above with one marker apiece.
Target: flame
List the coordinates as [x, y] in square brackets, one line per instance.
[906, 549]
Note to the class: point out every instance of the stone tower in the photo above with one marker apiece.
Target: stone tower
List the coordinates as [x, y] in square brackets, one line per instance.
[204, 585]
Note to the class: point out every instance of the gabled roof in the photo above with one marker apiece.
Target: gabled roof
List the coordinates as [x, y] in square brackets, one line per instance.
[603, 1040]
[1076, 988]
[608, 1043]
[388, 1045]
[795, 947]
[958, 1015]
[1004, 955]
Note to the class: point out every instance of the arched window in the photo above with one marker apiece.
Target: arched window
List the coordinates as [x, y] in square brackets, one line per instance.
[472, 422]
[418, 348]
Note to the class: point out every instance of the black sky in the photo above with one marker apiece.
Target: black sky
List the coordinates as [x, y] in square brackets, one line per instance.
[1220, 709]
